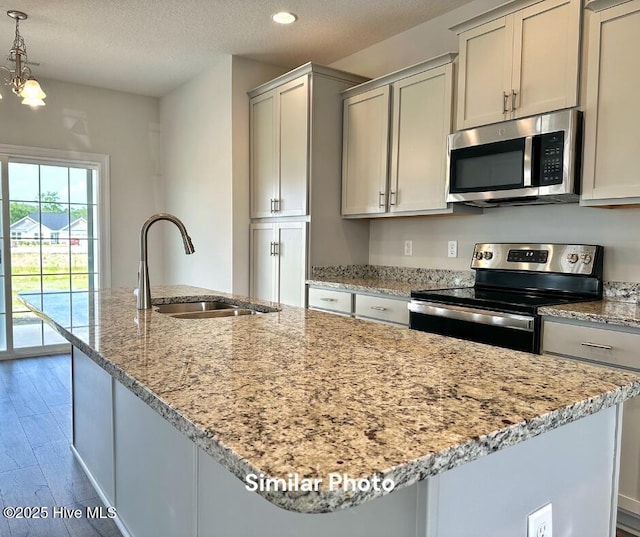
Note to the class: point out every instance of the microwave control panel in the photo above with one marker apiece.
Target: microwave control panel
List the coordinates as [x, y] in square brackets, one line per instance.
[550, 158]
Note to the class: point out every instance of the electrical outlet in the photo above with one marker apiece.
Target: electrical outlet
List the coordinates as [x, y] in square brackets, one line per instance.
[453, 249]
[408, 247]
[539, 523]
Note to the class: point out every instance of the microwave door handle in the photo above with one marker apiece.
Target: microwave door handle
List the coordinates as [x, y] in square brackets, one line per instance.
[528, 161]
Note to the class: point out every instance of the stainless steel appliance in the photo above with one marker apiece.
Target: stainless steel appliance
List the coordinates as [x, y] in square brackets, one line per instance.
[512, 282]
[522, 161]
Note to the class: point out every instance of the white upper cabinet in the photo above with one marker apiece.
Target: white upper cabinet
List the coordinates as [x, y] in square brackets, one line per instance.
[421, 122]
[364, 152]
[395, 142]
[518, 64]
[279, 150]
[612, 110]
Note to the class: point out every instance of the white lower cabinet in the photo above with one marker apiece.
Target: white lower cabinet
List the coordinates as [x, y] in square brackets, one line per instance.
[278, 262]
[611, 347]
[334, 301]
[372, 307]
[391, 310]
[93, 420]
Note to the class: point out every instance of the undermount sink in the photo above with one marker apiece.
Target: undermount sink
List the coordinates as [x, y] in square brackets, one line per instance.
[212, 314]
[194, 307]
[202, 310]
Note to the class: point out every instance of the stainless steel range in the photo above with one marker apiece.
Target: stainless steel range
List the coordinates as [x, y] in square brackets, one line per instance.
[512, 282]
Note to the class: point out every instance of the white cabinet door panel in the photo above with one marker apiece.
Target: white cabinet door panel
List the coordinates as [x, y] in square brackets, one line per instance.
[485, 73]
[291, 259]
[545, 58]
[263, 268]
[421, 122]
[93, 420]
[263, 158]
[293, 100]
[365, 152]
[612, 111]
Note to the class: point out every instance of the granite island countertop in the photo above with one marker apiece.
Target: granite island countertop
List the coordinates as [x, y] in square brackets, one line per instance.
[307, 392]
[610, 312]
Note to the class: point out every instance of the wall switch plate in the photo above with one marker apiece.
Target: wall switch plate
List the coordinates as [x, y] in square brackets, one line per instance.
[539, 523]
[408, 247]
[453, 249]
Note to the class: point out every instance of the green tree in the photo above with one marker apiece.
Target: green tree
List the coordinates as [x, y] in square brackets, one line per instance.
[18, 210]
[49, 202]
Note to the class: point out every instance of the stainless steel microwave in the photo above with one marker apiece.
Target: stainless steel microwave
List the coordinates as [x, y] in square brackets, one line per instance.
[530, 160]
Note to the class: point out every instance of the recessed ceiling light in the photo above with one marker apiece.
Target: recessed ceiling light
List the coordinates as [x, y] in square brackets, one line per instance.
[284, 17]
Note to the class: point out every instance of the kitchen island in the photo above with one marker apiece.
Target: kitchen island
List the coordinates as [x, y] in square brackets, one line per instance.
[172, 417]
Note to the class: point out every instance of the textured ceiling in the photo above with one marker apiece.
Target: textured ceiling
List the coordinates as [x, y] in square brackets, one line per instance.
[152, 46]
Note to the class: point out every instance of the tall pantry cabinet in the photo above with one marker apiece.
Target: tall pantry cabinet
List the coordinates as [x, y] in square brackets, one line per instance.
[295, 170]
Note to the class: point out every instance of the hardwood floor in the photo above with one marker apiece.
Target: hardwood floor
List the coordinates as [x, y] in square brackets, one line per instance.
[37, 468]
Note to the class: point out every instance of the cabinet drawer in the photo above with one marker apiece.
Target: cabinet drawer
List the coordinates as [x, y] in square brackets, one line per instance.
[383, 309]
[330, 300]
[611, 347]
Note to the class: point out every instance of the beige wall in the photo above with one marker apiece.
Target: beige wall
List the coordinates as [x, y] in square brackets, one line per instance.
[94, 120]
[205, 137]
[617, 230]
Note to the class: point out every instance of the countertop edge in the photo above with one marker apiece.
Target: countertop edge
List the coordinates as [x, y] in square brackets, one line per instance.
[407, 474]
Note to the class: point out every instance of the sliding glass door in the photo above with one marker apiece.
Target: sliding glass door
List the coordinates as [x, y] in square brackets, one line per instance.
[51, 245]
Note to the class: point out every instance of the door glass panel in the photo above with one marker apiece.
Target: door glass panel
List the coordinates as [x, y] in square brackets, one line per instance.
[53, 244]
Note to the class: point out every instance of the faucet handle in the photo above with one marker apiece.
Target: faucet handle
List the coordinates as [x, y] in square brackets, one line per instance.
[136, 291]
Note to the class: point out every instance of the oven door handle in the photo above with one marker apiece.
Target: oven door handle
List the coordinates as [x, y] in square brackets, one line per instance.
[474, 315]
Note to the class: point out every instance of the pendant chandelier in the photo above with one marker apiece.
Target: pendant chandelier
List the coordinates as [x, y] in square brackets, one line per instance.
[19, 77]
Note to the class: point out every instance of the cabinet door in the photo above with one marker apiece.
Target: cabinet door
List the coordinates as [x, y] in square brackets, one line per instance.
[485, 73]
[421, 121]
[545, 57]
[263, 154]
[263, 265]
[293, 147]
[291, 243]
[365, 152]
[629, 488]
[612, 112]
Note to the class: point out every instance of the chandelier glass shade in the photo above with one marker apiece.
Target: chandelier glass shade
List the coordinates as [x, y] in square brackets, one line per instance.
[19, 77]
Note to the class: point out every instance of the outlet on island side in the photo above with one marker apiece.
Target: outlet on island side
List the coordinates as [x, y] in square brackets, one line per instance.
[539, 523]
[408, 247]
[452, 249]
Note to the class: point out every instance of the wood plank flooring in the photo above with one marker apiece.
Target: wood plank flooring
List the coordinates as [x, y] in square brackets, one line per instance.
[37, 468]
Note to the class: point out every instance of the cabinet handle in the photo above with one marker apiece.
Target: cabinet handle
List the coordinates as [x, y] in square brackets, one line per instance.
[276, 205]
[505, 98]
[381, 195]
[513, 99]
[393, 198]
[276, 248]
[271, 248]
[378, 308]
[326, 299]
[272, 204]
[596, 345]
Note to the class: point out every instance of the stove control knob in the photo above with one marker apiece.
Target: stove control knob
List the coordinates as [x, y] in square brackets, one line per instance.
[478, 256]
[572, 258]
[586, 258]
[488, 255]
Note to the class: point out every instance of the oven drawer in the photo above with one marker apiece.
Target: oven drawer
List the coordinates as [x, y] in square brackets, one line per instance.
[604, 345]
[384, 309]
[326, 299]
